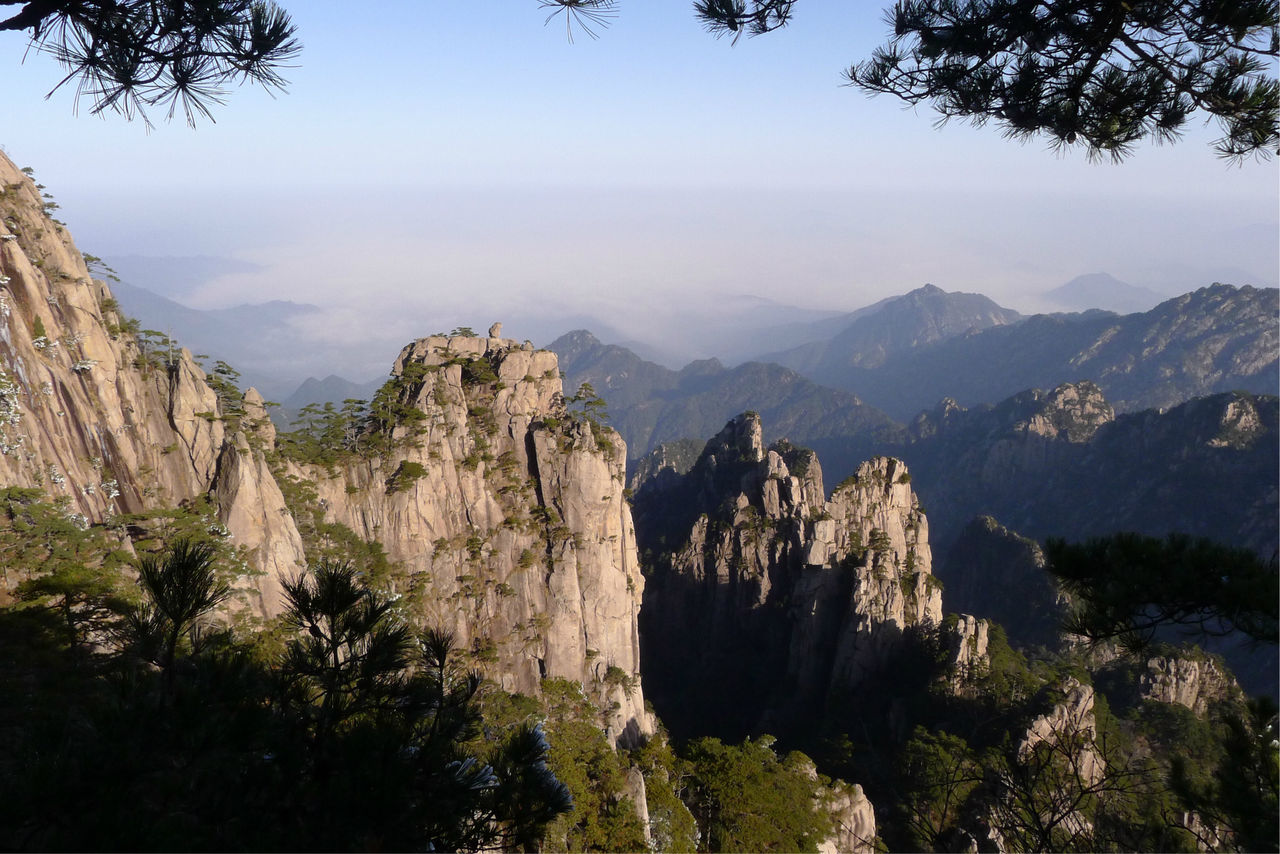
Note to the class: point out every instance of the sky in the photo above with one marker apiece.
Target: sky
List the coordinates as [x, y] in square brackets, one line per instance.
[434, 165]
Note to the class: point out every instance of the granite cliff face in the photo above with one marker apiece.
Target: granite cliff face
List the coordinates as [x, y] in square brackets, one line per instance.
[764, 600]
[1194, 681]
[93, 417]
[505, 516]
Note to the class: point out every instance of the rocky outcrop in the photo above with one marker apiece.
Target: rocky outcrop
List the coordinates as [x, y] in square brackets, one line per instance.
[1196, 682]
[505, 517]
[502, 513]
[967, 639]
[1069, 727]
[1061, 762]
[853, 820]
[764, 600]
[95, 416]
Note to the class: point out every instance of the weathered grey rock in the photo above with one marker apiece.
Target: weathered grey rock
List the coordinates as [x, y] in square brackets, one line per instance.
[968, 641]
[90, 417]
[635, 789]
[253, 509]
[512, 529]
[507, 516]
[1194, 682]
[1070, 726]
[853, 820]
[777, 597]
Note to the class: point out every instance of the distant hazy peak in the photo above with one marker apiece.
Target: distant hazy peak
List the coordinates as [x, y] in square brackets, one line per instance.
[578, 337]
[1103, 291]
[574, 344]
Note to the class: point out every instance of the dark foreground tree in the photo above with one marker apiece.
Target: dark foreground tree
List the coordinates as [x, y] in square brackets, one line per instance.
[181, 587]
[1099, 73]
[1127, 587]
[1102, 74]
[362, 737]
[128, 56]
[391, 729]
[1244, 791]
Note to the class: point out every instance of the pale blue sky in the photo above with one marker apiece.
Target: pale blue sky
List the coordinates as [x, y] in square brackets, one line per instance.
[434, 163]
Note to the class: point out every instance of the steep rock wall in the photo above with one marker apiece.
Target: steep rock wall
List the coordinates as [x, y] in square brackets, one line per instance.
[507, 519]
[765, 601]
[94, 419]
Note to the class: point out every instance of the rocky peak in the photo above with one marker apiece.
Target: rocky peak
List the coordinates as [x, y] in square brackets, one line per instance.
[1069, 727]
[931, 422]
[571, 345]
[1240, 423]
[1072, 411]
[741, 440]
[503, 511]
[967, 639]
[777, 597]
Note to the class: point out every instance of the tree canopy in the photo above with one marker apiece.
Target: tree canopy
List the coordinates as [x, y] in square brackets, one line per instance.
[128, 56]
[1127, 587]
[1102, 74]
[1098, 73]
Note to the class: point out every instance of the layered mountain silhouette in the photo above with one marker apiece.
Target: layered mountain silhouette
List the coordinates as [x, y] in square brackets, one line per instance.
[650, 404]
[872, 335]
[913, 351]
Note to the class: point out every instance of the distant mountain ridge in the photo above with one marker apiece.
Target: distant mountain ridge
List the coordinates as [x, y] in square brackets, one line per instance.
[332, 389]
[650, 404]
[1219, 338]
[924, 316]
[257, 340]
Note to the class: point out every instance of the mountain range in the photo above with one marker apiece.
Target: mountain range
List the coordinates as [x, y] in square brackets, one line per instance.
[650, 404]
[445, 602]
[872, 335]
[905, 354]
[1103, 291]
[1218, 338]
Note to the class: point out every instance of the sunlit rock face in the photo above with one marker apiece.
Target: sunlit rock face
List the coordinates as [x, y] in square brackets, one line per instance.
[767, 599]
[506, 518]
[97, 418]
[1196, 681]
[504, 515]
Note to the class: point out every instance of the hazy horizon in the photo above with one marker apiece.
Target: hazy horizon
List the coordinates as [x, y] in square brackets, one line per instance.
[430, 169]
